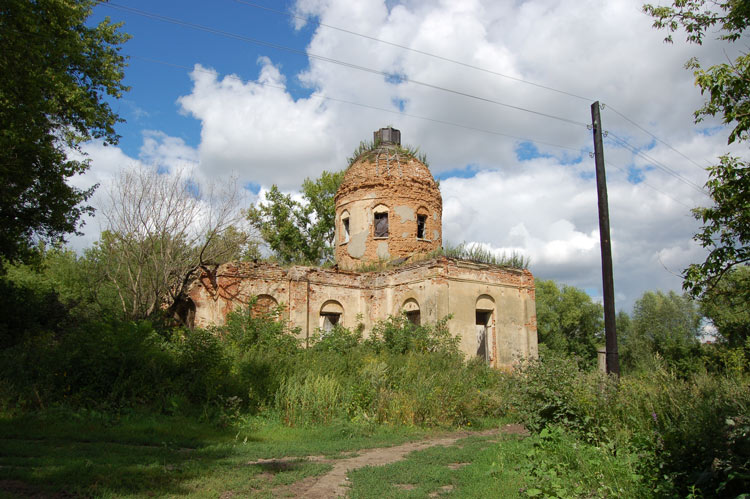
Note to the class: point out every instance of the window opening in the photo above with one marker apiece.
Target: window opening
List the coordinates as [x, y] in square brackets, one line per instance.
[414, 317]
[345, 223]
[483, 325]
[421, 222]
[381, 224]
[330, 319]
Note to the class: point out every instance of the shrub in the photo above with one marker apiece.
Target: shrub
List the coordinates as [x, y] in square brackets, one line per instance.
[309, 400]
[691, 433]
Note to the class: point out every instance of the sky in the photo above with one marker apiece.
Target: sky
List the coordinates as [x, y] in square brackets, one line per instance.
[496, 93]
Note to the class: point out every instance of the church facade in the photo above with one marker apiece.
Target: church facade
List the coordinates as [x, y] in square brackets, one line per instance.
[388, 218]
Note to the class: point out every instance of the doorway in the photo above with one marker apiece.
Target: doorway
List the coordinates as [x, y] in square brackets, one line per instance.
[483, 325]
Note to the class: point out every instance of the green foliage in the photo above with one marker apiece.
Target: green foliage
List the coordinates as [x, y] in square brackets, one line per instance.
[727, 83]
[299, 232]
[397, 334]
[562, 465]
[568, 320]
[667, 325]
[54, 73]
[248, 329]
[162, 230]
[726, 225]
[311, 399]
[726, 305]
[688, 431]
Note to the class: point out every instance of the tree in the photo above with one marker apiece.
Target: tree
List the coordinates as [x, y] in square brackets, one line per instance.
[162, 228]
[54, 75]
[664, 324]
[568, 320]
[299, 232]
[726, 225]
[728, 306]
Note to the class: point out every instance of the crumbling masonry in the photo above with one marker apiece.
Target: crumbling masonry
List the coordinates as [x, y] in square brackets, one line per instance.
[388, 209]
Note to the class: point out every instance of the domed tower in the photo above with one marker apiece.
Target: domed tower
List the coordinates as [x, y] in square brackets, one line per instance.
[388, 205]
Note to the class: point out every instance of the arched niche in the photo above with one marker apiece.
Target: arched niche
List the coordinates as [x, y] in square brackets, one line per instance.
[331, 313]
[264, 305]
[411, 309]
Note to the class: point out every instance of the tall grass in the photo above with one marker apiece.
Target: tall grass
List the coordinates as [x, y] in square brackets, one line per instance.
[692, 434]
[401, 374]
[480, 254]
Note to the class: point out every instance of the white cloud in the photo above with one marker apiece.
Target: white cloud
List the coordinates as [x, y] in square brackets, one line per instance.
[257, 130]
[543, 206]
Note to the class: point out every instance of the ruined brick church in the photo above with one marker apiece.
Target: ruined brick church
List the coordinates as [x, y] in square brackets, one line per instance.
[388, 212]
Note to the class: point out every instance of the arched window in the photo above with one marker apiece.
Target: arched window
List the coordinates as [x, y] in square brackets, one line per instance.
[344, 227]
[422, 214]
[380, 221]
[411, 309]
[330, 314]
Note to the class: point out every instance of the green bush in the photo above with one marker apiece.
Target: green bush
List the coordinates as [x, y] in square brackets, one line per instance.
[691, 433]
[562, 465]
[312, 399]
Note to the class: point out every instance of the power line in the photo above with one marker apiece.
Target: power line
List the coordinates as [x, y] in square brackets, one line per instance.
[471, 66]
[417, 51]
[655, 137]
[443, 122]
[333, 61]
[658, 164]
[368, 106]
[610, 163]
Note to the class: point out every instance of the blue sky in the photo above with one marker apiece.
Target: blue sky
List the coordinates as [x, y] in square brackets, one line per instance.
[151, 102]
[511, 180]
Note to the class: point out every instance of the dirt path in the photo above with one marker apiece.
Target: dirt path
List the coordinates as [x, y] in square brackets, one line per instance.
[333, 484]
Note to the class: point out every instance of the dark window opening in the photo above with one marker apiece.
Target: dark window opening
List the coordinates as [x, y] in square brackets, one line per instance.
[345, 223]
[330, 320]
[421, 222]
[414, 317]
[381, 224]
[483, 326]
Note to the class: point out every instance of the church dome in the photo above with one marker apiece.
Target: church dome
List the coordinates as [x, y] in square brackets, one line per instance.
[388, 205]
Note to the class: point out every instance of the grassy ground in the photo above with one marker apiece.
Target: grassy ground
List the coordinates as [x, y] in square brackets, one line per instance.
[146, 455]
[474, 467]
[64, 454]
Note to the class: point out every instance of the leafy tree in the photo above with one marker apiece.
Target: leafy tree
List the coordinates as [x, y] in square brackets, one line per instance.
[161, 230]
[728, 306]
[664, 324]
[54, 74]
[568, 320]
[726, 225]
[299, 232]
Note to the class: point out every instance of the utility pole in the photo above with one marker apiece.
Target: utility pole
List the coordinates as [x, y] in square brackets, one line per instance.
[608, 285]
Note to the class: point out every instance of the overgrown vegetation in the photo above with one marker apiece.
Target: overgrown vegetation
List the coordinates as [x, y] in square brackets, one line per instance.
[299, 232]
[675, 435]
[400, 374]
[368, 150]
[675, 425]
[480, 254]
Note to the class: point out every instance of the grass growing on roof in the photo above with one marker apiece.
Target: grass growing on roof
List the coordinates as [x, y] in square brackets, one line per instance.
[367, 149]
[479, 254]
